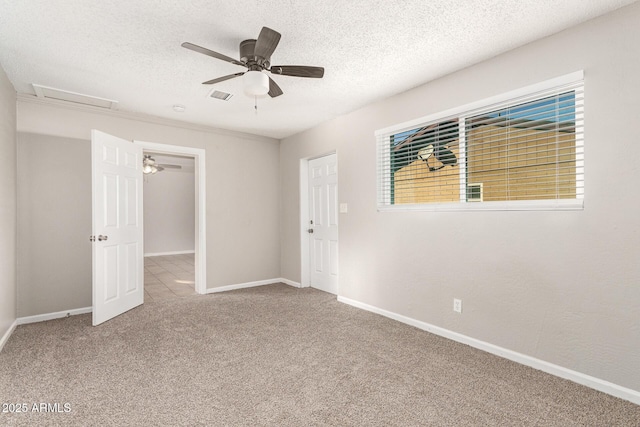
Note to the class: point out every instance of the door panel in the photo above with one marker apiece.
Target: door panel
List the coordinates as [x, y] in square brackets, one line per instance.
[332, 200]
[333, 256]
[118, 263]
[316, 211]
[131, 255]
[318, 252]
[131, 206]
[110, 207]
[323, 213]
[110, 271]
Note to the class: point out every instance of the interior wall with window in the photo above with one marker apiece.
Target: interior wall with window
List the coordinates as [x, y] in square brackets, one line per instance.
[560, 286]
[8, 281]
[241, 213]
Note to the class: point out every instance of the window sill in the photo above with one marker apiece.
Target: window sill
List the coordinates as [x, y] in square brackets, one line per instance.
[520, 205]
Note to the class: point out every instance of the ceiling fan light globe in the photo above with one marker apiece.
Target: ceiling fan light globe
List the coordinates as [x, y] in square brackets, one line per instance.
[256, 83]
[146, 168]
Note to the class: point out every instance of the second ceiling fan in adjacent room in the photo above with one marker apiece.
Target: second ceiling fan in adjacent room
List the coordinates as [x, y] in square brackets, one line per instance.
[150, 166]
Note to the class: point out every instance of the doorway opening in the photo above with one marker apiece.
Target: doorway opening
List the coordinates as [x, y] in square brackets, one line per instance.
[174, 222]
[169, 225]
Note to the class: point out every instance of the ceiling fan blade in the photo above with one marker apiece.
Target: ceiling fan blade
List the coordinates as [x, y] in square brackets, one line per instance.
[211, 53]
[274, 89]
[298, 71]
[221, 79]
[267, 42]
[165, 166]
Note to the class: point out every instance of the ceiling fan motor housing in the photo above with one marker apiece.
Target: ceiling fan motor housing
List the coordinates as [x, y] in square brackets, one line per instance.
[247, 56]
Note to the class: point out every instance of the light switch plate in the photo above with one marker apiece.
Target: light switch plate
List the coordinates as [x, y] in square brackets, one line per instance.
[344, 208]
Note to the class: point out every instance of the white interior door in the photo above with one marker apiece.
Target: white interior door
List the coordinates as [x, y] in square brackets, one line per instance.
[118, 262]
[323, 223]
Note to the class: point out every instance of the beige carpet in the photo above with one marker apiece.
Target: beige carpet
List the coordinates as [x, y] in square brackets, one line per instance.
[277, 356]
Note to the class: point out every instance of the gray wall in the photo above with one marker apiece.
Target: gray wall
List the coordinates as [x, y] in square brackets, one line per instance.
[562, 287]
[7, 204]
[242, 197]
[54, 224]
[169, 211]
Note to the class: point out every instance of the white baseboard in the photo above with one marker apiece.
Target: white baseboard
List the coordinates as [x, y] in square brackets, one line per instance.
[7, 334]
[290, 282]
[550, 368]
[170, 253]
[253, 284]
[51, 316]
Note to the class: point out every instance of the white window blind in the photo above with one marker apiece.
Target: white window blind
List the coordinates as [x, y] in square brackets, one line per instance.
[518, 150]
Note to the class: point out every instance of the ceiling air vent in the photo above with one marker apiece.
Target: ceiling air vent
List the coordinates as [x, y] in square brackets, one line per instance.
[220, 95]
[45, 92]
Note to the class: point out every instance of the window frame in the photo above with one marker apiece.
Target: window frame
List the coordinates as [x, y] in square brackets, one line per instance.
[461, 113]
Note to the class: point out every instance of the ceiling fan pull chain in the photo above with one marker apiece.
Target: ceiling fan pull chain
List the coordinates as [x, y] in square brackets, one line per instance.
[255, 98]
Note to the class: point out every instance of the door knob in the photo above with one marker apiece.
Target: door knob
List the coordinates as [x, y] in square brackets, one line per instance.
[101, 238]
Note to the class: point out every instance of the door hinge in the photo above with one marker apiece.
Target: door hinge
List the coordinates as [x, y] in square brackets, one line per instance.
[92, 238]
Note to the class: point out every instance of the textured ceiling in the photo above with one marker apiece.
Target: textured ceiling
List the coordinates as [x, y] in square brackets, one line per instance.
[130, 51]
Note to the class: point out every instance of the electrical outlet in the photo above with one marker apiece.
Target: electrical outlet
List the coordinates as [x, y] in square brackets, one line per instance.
[457, 305]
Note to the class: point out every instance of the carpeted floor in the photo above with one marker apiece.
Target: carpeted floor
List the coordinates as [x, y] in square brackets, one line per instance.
[277, 356]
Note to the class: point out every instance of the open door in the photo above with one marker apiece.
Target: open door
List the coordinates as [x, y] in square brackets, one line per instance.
[118, 261]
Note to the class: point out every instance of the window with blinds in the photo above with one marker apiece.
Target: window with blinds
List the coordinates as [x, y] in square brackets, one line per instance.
[522, 151]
